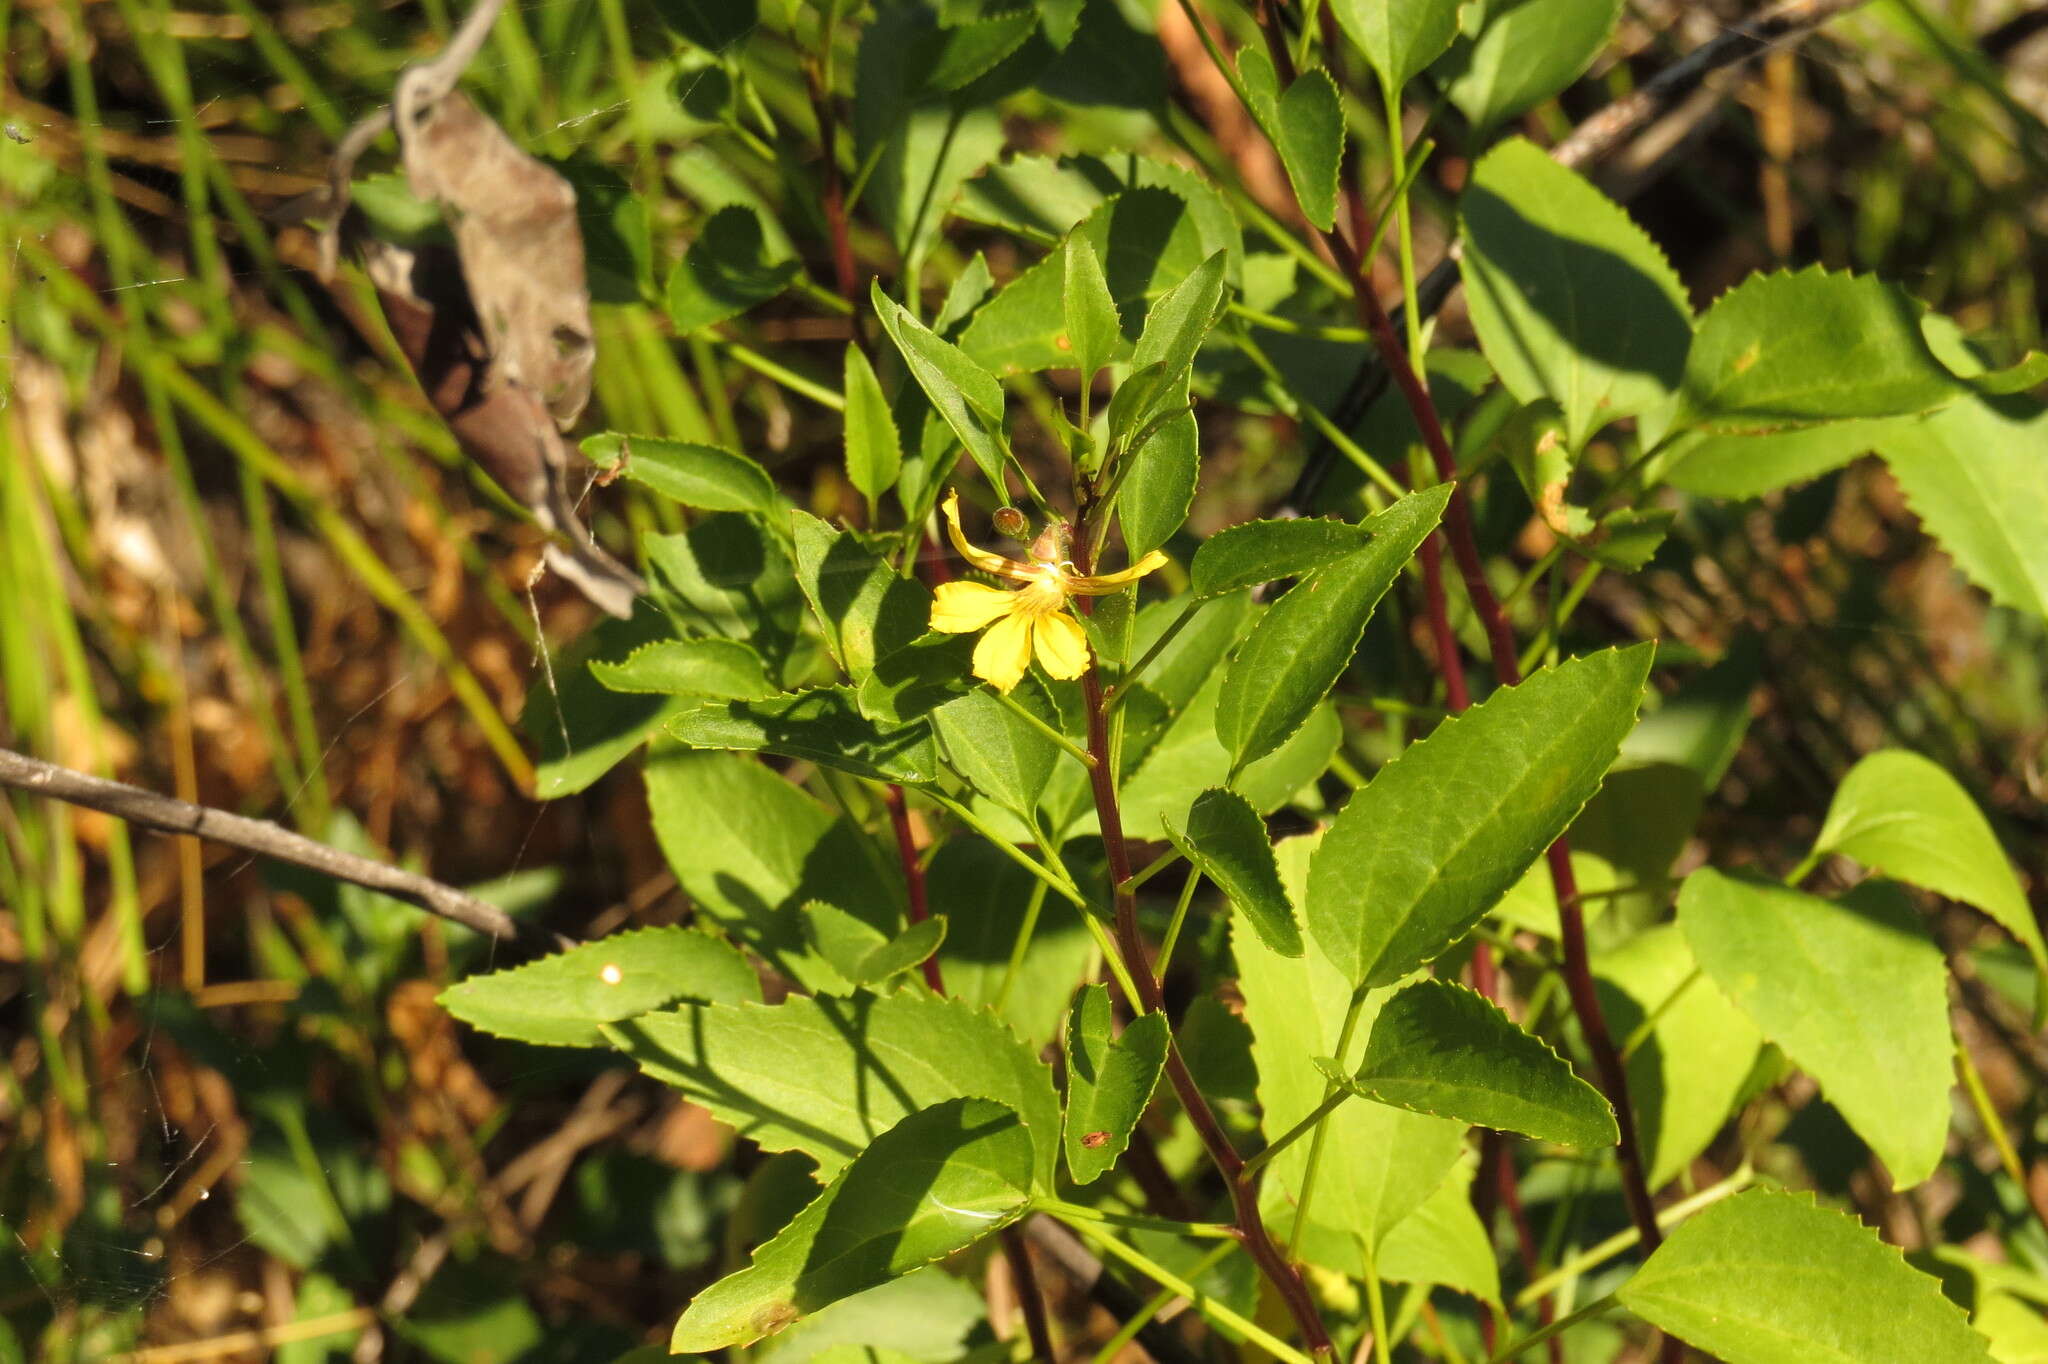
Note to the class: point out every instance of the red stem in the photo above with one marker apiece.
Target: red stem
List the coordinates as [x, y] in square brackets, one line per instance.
[1457, 528]
[1244, 1195]
[913, 875]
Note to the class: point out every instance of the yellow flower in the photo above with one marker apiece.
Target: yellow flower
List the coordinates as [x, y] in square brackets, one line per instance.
[1033, 619]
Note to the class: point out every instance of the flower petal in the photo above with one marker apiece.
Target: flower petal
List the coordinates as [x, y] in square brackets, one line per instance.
[1104, 584]
[980, 558]
[962, 607]
[1062, 646]
[1004, 652]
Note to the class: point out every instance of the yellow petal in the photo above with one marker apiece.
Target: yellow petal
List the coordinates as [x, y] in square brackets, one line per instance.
[1062, 646]
[959, 608]
[1004, 652]
[1107, 583]
[980, 558]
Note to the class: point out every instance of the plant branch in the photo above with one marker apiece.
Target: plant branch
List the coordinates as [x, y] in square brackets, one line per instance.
[1036, 1327]
[913, 874]
[1251, 1227]
[167, 815]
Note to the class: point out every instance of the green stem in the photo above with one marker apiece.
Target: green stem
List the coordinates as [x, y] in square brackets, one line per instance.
[1309, 1124]
[1315, 1150]
[1023, 944]
[1642, 1031]
[1537, 1337]
[1240, 1328]
[1158, 1303]
[781, 374]
[1017, 708]
[1376, 1312]
[1056, 880]
[1180, 915]
[1072, 1212]
[1130, 674]
[1594, 1256]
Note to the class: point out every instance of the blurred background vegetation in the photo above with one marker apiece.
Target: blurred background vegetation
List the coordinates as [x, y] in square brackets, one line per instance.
[241, 561]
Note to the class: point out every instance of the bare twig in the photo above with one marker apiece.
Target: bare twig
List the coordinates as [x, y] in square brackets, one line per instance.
[166, 815]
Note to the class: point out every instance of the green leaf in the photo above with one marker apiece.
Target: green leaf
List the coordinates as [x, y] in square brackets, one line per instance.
[1792, 349]
[1442, 831]
[1147, 240]
[924, 1317]
[822, 725]
[1399, 37]
[1109, 1081]
[1571, 300]
[687, 667]
[1301, 646]
[1188, 758]
[865, 608]
[987, 899]
[874, 454]
[863, 953]
[1443, 1242]
[729, 575]
[1176, 326]
[825, 1075]
[1094, 330]
[963, 393]
[1226, 840]
[1311, 122]
[1159, 485]
[1687, 1072]
[701, 476]
[917, 678]
[725, 272]
[1006, 759]
[1902, 815]
[1742, 467]
[1254, 552]
[937, 1182]
[1528, 51]
[713, 25]
[1854, 990]
[560, 1001]
[750, 850]
[1977, 475]
[582, 727]
[1442, 1049]
[1379, 1164]
[1042, 197]
[1772, 1278]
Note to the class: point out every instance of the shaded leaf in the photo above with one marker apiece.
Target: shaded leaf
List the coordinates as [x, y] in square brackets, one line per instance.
[1225, 838]
[1159, 485]
[963, 393]
[1405, 871]
[1443, 1242]
[822, 725]
[582, 727]
[1094, 330]
[1527, 51]
[937, 1182]
[1109, 1081]
[1772, 1278]
[1006, 759]
[725, 272]
[561, 1000]
[1739, 467]
[1302, 644]
[862, 953]
[874, 454]
[1571, 300]
[864, 607]
[825, 1075]
[917, 678]
[1854, 990]
[1441, 1049]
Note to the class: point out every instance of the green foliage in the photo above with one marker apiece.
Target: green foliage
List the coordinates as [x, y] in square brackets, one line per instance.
[1403, 874]
[1226, 840]
[1109, 1081]
[1442, 1049]
[1771, 1278]
[564, 1000]
[726, 271]
[1524, 52]
[1398, 37]
[1301, 645]
[937, 1182]
[1855, 992]
[1572, 301]
[700, 476]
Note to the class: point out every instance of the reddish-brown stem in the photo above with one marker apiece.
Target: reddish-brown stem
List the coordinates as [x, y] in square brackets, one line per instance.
[1457, 529]
[1244, 1193]
[833, 199]
[913, 874]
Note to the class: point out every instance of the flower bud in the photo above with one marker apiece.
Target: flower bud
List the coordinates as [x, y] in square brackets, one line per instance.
[1012, 523]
